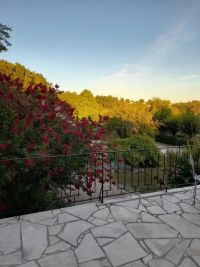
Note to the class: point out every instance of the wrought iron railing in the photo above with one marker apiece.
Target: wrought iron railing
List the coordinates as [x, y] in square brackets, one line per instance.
[51, 181]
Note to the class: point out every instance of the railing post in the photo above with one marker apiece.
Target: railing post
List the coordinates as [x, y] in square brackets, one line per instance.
[102, 178]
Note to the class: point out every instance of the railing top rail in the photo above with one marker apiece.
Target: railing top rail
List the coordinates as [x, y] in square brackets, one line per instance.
[95, 153]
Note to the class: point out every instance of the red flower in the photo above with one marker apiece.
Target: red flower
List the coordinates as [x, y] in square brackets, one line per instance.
[98, 172]
[10, 96]
[41, 97]
[105, 118]
[45, 139]
[3, 147]
[39, 118]
[30, 147]
[51, 115]
[66, 148]
[65, 125]
[77, 133]
[29, 163]
[77, 186]
[1, 92]
[29, 120]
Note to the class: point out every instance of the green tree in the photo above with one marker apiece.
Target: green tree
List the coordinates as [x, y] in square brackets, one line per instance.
[4, 36]
[161, 116]
[190, 123]
[172, 124]
[120, 128]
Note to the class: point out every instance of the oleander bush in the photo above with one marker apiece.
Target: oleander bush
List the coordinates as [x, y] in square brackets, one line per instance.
[35, 125]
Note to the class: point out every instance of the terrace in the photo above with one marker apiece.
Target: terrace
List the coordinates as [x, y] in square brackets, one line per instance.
[153, 229]
[130, 225]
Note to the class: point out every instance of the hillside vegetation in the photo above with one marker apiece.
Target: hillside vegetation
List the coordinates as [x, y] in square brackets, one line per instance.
[167, 122]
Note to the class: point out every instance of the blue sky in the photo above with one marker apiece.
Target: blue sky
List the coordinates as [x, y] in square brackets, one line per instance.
[127, 48]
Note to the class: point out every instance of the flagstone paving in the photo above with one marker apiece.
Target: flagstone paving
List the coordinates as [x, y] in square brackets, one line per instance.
[154, 230]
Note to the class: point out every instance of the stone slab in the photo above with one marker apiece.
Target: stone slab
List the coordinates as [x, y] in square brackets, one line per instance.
[54, 230]
[194, 249]
[187, 262]
[186, 229]
[39, 216]
[146, 217]
[95, 263]
[151, 230]
[102, 214]
[124, 250]
[29, 264]
[73, 230]
[189, 208]
[156, 210]
[193, 218]
[88, 250]
[64, 259]
[161, 263]
[81, 211]
[112, 230]
[59, 247]
[11, 259]
[34, 239]
[10, 238]
[178, 251]
[121, 213]
[161, 246]
[66, 217]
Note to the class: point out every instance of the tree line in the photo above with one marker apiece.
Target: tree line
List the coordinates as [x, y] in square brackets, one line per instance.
[155, 117]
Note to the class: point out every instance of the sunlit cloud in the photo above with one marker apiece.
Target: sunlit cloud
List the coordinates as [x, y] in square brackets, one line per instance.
[188, 77]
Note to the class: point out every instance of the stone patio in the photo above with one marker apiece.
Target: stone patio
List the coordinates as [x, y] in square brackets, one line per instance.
[155, 230]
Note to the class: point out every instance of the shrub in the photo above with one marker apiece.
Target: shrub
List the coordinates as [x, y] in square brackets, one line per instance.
[178, 168]
[166, 138]
[35, 125]
[119, 127]
[138, 150]
[190, 123]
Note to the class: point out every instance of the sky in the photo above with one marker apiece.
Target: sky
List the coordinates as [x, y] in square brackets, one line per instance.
[136, 49]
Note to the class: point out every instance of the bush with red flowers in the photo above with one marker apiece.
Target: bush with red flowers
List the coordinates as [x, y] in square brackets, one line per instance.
[35, 125]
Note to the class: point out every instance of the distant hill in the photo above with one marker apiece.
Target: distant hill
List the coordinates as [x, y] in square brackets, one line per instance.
[26, 76]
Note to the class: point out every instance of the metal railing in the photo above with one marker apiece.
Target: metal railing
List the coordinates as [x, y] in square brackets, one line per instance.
[40, 183]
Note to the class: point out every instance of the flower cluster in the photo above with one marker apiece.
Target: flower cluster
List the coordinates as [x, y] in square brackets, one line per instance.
[36, 125]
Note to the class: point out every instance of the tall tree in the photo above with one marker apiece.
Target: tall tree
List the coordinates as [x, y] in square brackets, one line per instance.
[4, 36]
[190, 123]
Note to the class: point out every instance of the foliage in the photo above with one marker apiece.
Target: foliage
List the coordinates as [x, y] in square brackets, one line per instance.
[35, 125]
[4, 36]
[195, 150]
[147, 118]
[179, 168]
[161, 116]
[120, 128]
[172, 124]
[137, 151]
[166, 138]
[25, 76]
[190, 123]
[85, 104]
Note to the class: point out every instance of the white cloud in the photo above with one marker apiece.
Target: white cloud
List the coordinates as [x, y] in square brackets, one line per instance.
[188, 77]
